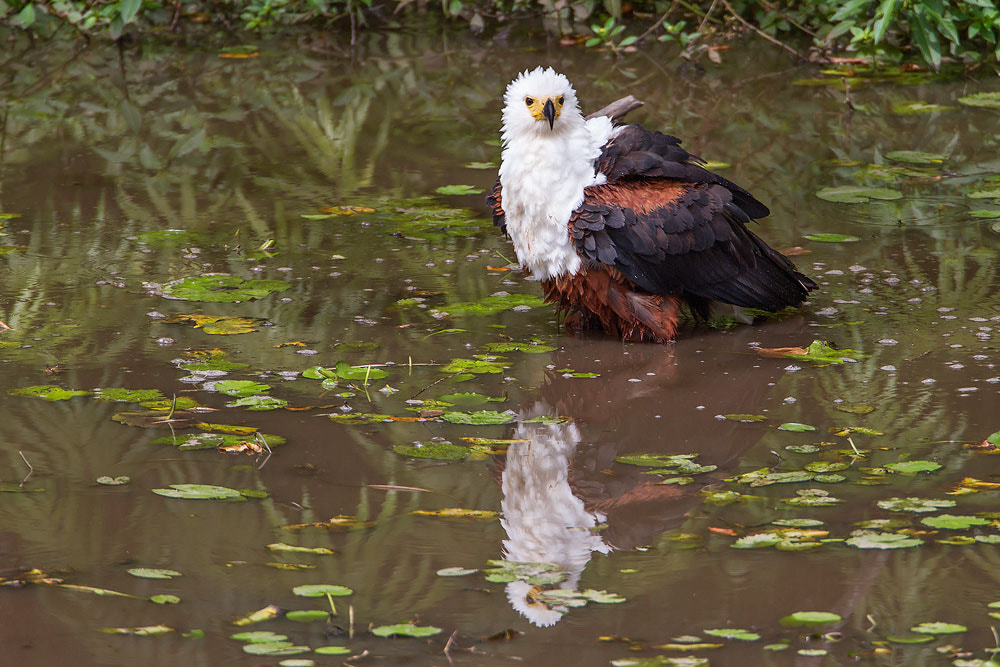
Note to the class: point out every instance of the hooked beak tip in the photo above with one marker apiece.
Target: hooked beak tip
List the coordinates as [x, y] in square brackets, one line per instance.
[549, 111]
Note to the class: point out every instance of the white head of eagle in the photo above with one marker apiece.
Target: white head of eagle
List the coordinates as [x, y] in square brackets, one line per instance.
[621, 224]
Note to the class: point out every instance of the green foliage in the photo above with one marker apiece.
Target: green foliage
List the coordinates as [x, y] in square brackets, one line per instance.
[964, 31]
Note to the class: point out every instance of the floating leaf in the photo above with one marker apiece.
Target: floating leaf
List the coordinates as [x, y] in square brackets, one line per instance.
[745, 418]
[985, 213]
[990, 193]
[832, 238]
[910, 639]
[275, 649]
[764, 477]
[757, 541]
[819, 351]
[854, 194]
[912, 467]
[153, 573]
[405, 630]
[494, 304]
[938, 628]
[472, 366]
[240, 387]
[218, 325]
[361, 418]
[511, 346]
[797, 523]
[455, 572]
[879, 540]
[916, 157]
[165, 599]
[953, 522]
[909, 107]
[307, 615]
[258, 637]
[290, 548]
[113, 481]
[97, 591]
[265, 614]
[459, 513]
[199, 492]
[345, 371]
[176, 236]
[482, 417]
[988, 100]
[856, 409]
[443, 451]
[795, 427]
[826, 466]
[144, 631]
[734, 633]
[129, 395]
[914, 504]
[331, 650]
[810, 619]
[459, 190]
[536, 574]
[49, 392]
[191, 441]
[321, 590]
[258, 403]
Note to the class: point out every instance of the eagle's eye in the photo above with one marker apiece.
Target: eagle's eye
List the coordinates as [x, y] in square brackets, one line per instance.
[560, 100]
[529, 101]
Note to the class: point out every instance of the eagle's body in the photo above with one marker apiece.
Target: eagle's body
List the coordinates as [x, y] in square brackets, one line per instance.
[622, 224]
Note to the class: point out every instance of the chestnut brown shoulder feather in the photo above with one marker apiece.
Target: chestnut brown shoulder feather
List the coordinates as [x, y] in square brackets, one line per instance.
[672, 227]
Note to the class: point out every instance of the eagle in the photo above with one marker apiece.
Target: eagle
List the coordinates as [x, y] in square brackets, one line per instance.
[621, 225]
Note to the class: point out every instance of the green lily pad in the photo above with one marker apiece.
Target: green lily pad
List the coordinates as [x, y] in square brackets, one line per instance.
[914, 504]
[307, 615]
[291, 548]
[757, 541]
[810, 619]
[443, 451]
[175, 404]
[129, 395]
[275, 649]
[258, 403]
[200, 492]
[459, 190]
[165, 599]
[472, 366]
[856, 409]
[482, 417]
[954, 522]
[802, 449]
[331, 650]
[511, 346]
[938, 628]
[912, 467]
[990, 100]
[910, 639]
[910, 107]
[49, 392]
[258, 637]
[916, 157]
[221, 288]
[240, 387]
[537, 574]
[455, 571]
[855, 194]
[990, 193]
[144, 631]
[832, 238]
[107, 480]
[745, 418]
[170, 236]
[321, 590]
[985, 213]
[764, 477]
[878, 540]
[153, 573]
[826, 466]
[993, 438]
[361, 418]
[345, 371]
[190, 441]
[734, 633]
[795, 427]
[491, 305]
[405, 630]
[798, 523]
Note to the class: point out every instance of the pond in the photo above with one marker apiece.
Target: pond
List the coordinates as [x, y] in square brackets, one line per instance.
[271, 244]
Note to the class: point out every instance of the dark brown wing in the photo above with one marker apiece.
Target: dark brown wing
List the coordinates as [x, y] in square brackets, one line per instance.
[672, 227]
[495, 201]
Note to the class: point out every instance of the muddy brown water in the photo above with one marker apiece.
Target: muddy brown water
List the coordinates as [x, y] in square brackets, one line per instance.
[96, 153]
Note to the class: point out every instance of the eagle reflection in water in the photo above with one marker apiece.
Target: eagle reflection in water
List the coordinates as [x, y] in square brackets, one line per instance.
[564, 497]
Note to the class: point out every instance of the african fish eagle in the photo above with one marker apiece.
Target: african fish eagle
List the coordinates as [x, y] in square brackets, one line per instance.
[621, 224]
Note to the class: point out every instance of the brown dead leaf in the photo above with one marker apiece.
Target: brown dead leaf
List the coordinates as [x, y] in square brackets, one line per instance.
[291, 343]
[780, 351]
[795, 251]
[245, 447]
[497, 268]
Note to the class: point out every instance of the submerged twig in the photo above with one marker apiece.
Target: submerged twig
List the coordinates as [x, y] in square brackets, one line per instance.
[441, 379]
[263, 442]
[31, 470]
